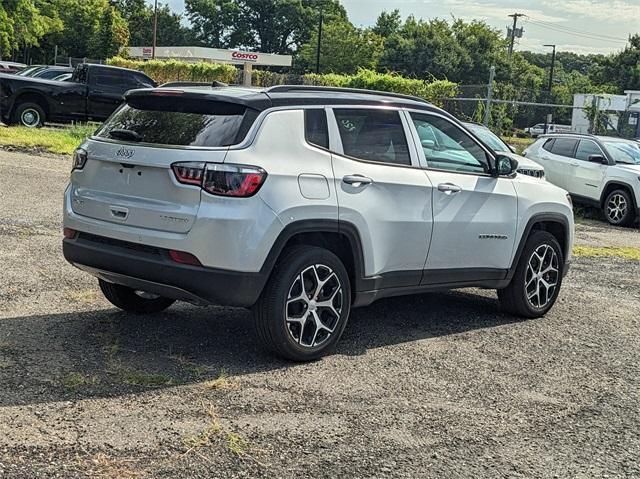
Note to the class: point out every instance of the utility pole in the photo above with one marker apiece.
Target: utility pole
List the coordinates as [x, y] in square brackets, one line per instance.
[487, 107]
[319, 42]
[514, 32]
[155, 28]
[553, 63]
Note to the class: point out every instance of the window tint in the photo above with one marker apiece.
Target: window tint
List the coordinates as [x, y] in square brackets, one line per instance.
[180, 122]
[108, 80]
[447, 147]
[586, 148]
[316, 131]
[547, 145]
[564, 146]
[374, 135]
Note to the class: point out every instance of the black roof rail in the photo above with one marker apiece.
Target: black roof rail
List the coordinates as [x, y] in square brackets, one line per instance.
[214, 84]
[569, 133]
[314, 88]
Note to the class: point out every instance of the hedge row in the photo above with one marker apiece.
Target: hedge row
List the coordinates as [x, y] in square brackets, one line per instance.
[172, 70]
[163, 71]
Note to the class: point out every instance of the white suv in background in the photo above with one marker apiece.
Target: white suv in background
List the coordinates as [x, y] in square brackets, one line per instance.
[303, 202]
[600, 171]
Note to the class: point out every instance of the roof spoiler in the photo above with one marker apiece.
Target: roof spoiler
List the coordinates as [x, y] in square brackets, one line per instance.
[213, 84]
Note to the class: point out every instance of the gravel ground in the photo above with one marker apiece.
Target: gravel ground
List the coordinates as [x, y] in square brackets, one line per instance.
[436, 385]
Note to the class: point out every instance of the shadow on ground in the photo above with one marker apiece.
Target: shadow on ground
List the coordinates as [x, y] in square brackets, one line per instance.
[106, 353]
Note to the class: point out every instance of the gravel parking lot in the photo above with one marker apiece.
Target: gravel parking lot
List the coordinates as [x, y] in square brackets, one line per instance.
[437, 385]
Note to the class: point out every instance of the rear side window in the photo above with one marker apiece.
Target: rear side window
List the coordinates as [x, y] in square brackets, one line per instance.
[179, 121]
[564, 146]
[373, 135]
[547, 145]
[316, 131]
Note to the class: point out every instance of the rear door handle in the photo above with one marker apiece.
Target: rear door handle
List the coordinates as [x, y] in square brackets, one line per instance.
[575, 163]
[357, 180]
[449, 188]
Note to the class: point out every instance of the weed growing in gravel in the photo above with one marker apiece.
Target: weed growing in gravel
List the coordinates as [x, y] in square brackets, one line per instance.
[191, 366]
[607, 251]
[236, 444]
[74, 381]
[221, 382]
[135, 377]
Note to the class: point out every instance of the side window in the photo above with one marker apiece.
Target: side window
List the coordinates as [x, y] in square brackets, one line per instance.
[586, 148]
[373, 135]
[547, 145]
[447, 147]
[107, 80]
[564, 146]
[316, 131]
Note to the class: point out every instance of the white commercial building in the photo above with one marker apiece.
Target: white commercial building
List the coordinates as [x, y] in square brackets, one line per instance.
[213, 55]
[614, 104]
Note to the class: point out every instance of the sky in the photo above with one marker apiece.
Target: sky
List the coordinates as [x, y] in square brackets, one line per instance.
[581, 26]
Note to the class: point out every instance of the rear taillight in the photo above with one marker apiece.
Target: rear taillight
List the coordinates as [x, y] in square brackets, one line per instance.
[221, 179]
[69, 233]
[79, 159]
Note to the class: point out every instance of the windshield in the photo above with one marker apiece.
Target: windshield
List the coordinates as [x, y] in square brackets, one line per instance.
[488, 137]
[624, 152]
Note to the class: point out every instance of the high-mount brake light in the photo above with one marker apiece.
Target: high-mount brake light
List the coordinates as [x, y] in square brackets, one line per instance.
[164, 92]
[79, 159]
[221, 179]
[189, 173]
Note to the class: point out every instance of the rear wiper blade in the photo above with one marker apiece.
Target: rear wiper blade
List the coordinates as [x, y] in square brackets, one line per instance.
[122, 134]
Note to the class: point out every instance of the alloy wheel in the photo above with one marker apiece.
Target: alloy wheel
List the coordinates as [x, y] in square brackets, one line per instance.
[314, 306]
[542, 276]
[616, 208]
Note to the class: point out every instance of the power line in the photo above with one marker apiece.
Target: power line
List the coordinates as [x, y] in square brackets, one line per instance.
[563, 27]
[578, 34]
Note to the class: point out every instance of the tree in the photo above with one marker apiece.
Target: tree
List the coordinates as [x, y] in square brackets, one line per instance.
[344, 49]
[110, 36]
[388, 23]
[276, 26]
[23, 23]
[623, 68]
[139, 17]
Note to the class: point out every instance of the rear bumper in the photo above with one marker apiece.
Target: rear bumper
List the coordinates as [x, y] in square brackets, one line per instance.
[152, 270]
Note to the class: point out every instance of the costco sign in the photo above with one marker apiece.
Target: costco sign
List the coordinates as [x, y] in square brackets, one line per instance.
[245, 56]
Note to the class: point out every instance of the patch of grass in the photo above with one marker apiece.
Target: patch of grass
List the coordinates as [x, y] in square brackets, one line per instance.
[607, 251]
[519, 143]
[236, 444]
[74, 381]
[221, 382]
[135, 377]
[86, 296]
[191, 366]
[61, 141]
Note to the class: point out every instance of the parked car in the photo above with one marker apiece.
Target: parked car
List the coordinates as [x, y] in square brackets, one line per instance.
[49, 73]
[92, 93]
[597, 170]
[303, 202]
[30, 70]
[525, 166]
[10, 67]
[539, 129]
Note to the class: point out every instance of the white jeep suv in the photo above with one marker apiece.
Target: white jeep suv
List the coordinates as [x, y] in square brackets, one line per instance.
[303, 202]
[600, 171]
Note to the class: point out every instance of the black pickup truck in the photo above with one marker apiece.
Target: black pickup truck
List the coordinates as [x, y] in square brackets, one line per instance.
[92, 93]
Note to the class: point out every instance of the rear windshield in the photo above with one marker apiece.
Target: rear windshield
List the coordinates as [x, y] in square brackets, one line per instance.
[179, 121]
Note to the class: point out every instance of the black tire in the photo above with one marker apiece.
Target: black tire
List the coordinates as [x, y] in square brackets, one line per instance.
[515, 297]
[619, 208]
[29, 114]
[128, 300]
[271, 310]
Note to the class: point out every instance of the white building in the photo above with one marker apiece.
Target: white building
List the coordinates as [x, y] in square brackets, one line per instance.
[614, 104]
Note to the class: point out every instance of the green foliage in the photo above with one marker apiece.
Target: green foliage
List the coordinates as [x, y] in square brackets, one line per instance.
[370, 80]
[173, 70]
[23, 23]
[364, 48]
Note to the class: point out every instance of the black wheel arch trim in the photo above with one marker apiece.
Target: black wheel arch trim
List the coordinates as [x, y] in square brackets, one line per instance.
[534, 220]
[621, 184]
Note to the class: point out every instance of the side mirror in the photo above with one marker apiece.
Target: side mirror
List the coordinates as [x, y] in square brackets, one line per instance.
[428, 143]
[598, 159]
[505, 165]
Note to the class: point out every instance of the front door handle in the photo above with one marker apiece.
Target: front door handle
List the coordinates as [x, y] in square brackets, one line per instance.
[357, 180]
[449, 188]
